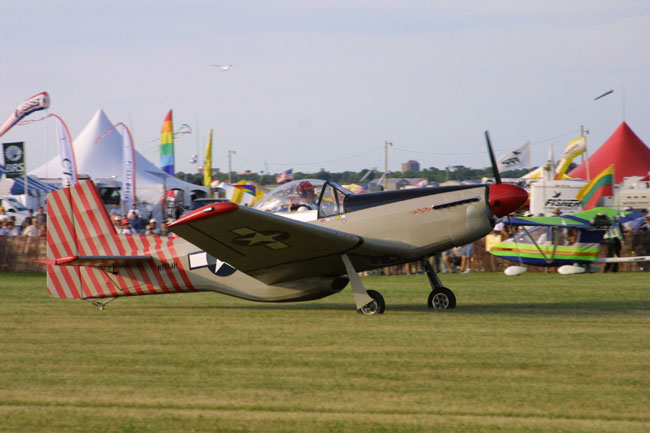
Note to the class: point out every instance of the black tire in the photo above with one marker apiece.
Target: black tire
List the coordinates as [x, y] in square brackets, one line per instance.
[377, 306]
[442, 299]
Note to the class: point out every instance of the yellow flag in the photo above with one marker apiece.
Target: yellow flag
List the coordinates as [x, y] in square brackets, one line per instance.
[207, 164]
[574, 148]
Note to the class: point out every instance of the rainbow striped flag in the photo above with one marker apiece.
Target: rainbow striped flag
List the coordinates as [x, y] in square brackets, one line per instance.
[167, 145]
[600, 186]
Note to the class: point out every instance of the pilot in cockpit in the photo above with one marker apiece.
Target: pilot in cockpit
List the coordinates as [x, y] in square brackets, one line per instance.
[307, 194]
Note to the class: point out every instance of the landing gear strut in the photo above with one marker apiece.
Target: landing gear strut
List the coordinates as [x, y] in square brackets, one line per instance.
[368, 302]
[440, 298]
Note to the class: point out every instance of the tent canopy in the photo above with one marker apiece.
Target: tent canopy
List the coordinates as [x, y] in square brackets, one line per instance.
[103, 160]
[16, 186]
[624, 149]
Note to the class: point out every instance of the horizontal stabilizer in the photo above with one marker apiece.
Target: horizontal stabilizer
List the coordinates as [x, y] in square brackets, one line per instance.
[97, 261]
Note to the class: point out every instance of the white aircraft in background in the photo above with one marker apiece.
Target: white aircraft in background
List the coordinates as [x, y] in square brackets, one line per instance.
[223, 67]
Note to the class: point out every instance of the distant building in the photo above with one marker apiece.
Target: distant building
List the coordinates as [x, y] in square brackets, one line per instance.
[410, 166]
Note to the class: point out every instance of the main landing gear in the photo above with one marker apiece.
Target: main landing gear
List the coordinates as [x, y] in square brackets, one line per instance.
[371, 302]
[368, 302]
[440, 298]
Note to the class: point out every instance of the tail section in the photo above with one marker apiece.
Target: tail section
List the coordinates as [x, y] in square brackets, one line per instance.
[88, 259]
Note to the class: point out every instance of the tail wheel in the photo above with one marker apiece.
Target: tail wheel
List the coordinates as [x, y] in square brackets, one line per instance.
[442, 299]
[377, 306]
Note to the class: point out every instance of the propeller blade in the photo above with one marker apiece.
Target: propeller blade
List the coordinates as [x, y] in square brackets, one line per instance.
[495, 169]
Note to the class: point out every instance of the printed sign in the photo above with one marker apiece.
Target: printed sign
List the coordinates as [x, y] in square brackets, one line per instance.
[14, 154]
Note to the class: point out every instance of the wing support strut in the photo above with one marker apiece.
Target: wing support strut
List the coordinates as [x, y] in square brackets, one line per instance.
[361, 297]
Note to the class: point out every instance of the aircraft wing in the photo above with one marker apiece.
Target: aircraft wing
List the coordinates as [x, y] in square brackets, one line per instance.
[561, 221]
[579, 219]
[273, 248]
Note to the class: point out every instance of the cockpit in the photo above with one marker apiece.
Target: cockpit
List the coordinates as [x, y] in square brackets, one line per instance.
[305, 199]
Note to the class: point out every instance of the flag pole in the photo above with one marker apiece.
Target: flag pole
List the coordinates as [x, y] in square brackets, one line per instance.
[583, 133]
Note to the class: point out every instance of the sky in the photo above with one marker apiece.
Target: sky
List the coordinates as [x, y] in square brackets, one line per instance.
[324, 84]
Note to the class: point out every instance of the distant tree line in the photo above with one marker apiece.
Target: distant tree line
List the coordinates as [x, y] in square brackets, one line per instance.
[433, 174]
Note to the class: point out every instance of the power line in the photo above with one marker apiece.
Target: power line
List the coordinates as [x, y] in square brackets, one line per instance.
[289, 164]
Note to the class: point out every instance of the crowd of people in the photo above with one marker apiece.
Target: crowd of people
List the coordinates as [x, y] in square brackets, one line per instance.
[133, 223]
[34, 225]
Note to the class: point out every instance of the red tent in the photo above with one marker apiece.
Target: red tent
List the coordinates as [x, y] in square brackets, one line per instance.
[630, 156]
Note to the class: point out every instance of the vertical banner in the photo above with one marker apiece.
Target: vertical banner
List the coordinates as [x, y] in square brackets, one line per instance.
[35, 103]
[207, 164]
[66, 152]
[68, 163]
[167, 145]
[128, 168]
[14, 154]
[128, 165]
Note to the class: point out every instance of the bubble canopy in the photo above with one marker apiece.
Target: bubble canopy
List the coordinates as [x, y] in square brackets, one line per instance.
[300, 195]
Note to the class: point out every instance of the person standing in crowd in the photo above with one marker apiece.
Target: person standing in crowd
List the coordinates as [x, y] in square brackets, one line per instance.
[31, 230]
[633, 225]
[153, 225]
[457, 258]
[27, 221]
[136, 223]
[164, 231]
[8, 229]
[612, 240]
[126, 228]
[41, 216]
[134, 210]
[501, 229]
[468, 258]
[115, 211]
[3, 215]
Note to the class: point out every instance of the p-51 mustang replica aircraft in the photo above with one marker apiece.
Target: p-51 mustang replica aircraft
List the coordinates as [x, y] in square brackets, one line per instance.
[570, 242]
[305, 240]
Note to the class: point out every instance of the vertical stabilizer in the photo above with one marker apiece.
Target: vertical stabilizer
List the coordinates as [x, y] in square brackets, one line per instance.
[88, 259]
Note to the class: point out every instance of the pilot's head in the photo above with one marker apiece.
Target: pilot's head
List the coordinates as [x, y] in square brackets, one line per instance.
[306, 189]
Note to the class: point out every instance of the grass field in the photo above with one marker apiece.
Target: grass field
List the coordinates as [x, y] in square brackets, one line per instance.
[536, 353]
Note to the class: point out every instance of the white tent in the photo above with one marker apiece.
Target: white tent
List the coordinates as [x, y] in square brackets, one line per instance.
[103, 160]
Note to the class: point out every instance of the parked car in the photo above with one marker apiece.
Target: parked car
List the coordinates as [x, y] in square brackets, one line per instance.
[14, 208]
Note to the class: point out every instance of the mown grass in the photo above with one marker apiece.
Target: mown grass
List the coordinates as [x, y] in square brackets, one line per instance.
[536, 353]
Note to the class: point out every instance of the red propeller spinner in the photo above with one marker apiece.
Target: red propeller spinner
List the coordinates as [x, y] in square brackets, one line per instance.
[505, 198]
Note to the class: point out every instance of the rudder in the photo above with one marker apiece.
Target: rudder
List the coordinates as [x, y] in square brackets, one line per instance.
[78, 225]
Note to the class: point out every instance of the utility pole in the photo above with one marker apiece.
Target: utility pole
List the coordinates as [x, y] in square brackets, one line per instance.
[386, 144]
[230, 154]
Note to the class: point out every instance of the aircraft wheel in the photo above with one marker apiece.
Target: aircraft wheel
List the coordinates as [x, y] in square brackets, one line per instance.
[442, 299]
[377, 306]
